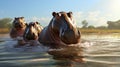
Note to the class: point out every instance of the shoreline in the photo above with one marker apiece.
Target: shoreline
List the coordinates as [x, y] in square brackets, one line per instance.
[4, 30]
[99, 31]
[83, 31]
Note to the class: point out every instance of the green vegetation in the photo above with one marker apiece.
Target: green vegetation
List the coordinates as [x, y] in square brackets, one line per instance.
[113, 27]
[4, 30]
[114, 24]
[99, 31]
[84, 23]
[5, 25]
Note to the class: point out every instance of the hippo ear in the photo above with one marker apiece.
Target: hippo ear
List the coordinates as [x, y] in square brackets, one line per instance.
[69, 14]
[59, 14]
[37, 22]
[54, 14]
[22, 17]
[26, 24]
[15, 18]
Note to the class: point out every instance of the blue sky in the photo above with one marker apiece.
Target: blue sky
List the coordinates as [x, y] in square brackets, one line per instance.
[96, 12]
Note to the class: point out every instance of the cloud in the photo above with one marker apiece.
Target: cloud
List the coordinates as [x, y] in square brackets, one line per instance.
[78, 16]
[93, 18]
[44, 21]
[114, 9]
[111, 8]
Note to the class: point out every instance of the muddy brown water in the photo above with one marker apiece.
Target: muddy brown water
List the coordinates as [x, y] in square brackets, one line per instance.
[97, 50]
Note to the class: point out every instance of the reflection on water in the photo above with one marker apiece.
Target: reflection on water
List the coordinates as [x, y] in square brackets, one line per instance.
[96, 51]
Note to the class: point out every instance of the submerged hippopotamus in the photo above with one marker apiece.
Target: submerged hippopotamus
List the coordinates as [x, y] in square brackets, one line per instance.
[32, 32]
[61, 30]
[18, 27]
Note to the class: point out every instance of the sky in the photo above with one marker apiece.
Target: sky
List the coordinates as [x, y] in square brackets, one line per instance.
[96, 12]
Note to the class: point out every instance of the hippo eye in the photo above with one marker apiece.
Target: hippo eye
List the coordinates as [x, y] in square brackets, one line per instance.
[15, 21]
[21, 23]
[22, 17]
[33, 24]
[16, 18]
[54, 14]
[37, 23]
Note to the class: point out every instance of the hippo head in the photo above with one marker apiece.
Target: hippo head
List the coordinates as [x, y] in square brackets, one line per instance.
[32, 31]
[64, 25]
[19, 23]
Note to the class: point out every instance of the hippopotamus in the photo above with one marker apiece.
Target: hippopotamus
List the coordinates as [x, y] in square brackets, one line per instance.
[18, 27]
[61, 30]
[32, 32]
[17, 31]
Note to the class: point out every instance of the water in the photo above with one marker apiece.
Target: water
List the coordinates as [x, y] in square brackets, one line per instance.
[94, 51]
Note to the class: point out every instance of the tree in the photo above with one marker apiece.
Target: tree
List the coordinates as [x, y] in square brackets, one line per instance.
[113, 24]
[102, 27]
[5, 23]
[91, 27]
[84, 23]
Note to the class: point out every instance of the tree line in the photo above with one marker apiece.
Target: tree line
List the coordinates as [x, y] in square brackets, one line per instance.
[7, 23]
[110, 25]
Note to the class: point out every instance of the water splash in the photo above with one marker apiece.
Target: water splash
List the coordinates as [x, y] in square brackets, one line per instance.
[37, 48]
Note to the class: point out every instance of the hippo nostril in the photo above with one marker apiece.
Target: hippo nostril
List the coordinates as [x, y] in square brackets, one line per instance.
[33, 34]
[16, 23]
[78, 32]
[62, 33]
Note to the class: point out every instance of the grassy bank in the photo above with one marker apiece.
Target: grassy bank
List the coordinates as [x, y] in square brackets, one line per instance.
[85, 31]
[99, 31]
[4, 30]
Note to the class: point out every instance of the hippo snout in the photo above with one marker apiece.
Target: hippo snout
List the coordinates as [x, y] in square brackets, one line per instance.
[70, 36]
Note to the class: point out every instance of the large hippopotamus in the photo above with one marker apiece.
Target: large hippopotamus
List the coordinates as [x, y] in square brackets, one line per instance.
[61, 30]
[32, 32]
[18, 27]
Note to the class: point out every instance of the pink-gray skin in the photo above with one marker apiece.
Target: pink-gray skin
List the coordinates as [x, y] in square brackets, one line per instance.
[18, 27]
[62, 30]
[32, 32]
[17, 30]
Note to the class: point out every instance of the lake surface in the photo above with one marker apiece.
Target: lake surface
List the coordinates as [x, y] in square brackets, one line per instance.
[94, 51]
